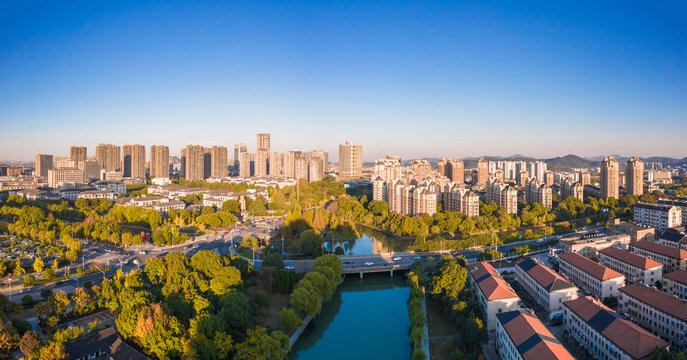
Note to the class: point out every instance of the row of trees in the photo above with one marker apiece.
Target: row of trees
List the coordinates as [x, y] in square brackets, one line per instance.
[416, 280]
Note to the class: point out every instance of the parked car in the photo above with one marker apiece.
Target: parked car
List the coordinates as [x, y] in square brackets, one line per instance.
[397, 258]
[369, 263]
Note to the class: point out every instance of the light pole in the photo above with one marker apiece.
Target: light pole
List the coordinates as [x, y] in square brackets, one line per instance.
[83, 262]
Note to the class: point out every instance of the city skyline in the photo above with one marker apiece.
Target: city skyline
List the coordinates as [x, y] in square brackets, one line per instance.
[423, 80]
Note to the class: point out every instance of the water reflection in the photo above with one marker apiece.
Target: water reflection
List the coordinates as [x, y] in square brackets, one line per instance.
[370, 242]
[366, 319]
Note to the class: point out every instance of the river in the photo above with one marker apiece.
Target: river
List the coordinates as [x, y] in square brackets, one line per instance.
[370, 242]
[366, 319]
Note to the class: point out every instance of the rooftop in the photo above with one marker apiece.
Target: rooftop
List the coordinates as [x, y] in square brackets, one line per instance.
[590, 267]
[531, 338]
[677, 275]
[628, 257]
[544, 276]
[628, 336]
[664, 250]
[656, 207]
[672, 236]
[490, 282]
[658, 299]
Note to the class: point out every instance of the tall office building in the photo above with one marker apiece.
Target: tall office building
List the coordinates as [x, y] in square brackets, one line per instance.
[159, 161]
[134, 161]
[109, 156]
[195, 162]
[634, 176]
[218, 161]
[350, 160]
[43, 164]
[482, 171]
[238, 150]
[78, 154]
[609, 178]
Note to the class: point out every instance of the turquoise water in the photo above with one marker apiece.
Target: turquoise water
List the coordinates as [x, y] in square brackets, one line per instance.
[366, 319]
[362, 246]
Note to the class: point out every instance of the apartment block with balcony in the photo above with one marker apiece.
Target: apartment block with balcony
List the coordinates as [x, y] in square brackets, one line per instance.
[605, 334]
[591, 276]
[663, 314]
[671, 258]
[494, 295]
[658, 216]
[636, 268]
[548, 289]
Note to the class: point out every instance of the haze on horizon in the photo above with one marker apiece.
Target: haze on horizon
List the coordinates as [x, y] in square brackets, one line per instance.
[446, 78]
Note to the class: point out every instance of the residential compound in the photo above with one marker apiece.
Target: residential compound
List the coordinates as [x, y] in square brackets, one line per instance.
[494, 295]
[589, 275]
[674, 238]
[672, 258]
[571, 188]
[589, 245]
[635, 268]
[544, 286]
[538, 192]
[604, 334]
[658, 216]
[663, 314]
[675, 283]
[502, 194]
[520, 335]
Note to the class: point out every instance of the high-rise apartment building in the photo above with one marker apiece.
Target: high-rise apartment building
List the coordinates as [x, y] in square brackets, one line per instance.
[134, 161]
[482, 171]
[195, 162]
[78, 154]
[388, 169]
[91, 169]
[634, 176]
[585, 178]
[350, 160]
[572, 188]
[503, 195]
[442, 167]
[109, 156]
[262, 155]
[238, 150]
[245, 165]
[159, 161]
[290, 163]
[218, 161]
[537, 192]
[457, 171]
[276, 164]
[609, 178]
[43, 164]
[548, 178]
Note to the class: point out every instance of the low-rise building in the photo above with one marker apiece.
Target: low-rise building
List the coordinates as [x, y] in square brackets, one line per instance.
[589, 245]
[117, 187]
[636, 268]
[494, 295]
[103, 344]
[58, 177]
[591, 276]
[673, 237]
[637, 232]
[671, 258]
[70, 194]
[547, 289]
[605, 334]
[659, 216]
[680, 202]
[662, 314]
[96, 194]
[675, 283]
[521, 336]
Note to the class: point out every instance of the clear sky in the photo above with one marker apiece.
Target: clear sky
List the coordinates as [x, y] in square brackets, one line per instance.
[419, 79]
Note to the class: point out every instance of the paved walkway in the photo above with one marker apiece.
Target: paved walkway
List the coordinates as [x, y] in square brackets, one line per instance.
[425, 342]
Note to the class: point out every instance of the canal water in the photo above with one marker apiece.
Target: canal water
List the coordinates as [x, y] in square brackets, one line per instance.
[366, 319]
[370, 242]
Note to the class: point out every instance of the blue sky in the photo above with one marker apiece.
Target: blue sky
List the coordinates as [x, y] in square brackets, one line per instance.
[425, 78]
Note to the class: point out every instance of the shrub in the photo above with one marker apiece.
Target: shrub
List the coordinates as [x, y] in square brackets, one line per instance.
[26, 299]
[289, 321]
[262, 299]
[45, 293]
[49, 274]
[29, 280]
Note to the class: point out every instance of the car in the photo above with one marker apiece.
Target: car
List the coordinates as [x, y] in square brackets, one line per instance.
[106, 250]
[71, 324]
[397, 258]
[369, 263]
[142, 252]
[23, 290]
[289, 267]
[417, 257]
[195, 246]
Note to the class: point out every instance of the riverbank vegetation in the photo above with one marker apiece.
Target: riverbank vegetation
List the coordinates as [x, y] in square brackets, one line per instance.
[416, 281]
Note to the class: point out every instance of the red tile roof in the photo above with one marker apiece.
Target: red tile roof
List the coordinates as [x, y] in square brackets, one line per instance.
[628, 257]
[626, 335]
[544, 276]
[658, 299]
[531, 338]
[665, 250]
[490, 282]
[678, 275]
[590, 267]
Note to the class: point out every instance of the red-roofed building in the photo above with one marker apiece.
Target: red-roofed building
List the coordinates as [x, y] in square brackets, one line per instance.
[494, 295]
[675, 283]
[589, 275]
[663, 314]
[548, 289]
[520, 335]
[671, 258]
[605, 334]
[636, 268]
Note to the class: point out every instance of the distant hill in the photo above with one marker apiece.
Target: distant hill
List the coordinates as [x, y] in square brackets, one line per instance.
[570, 161]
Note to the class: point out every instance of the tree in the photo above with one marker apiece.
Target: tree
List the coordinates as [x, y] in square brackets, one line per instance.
[262, 346]
[306, 300]
[29, 280]
[289, 321]
[473, 332]
[224, 280]
[18, 270]
[30, 343]
[450, 280]
[8, 339]
[273, 260]
[52, 351]
[231, 206]
[250, 242]
[38, 264]
[49, 274]
[159, 331]
[45, 293]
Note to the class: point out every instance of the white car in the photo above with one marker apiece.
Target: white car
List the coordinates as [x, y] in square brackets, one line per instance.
[397, 258]
[369, 263]
[195, 246]
[289, 267]
[142, 252]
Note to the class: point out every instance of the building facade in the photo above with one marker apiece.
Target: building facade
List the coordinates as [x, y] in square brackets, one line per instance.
[494, 295]
[350, 160]
[218, 162]
[675, 283]
[159, 161]
[658, 216]
[634, 176]
[134, 161]
[109, 156]
[636, 268]
[43, 164]
[58, 177]
[672, 258]
[610, 178]
[589, 275]
[521, 335]
[548, 289]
